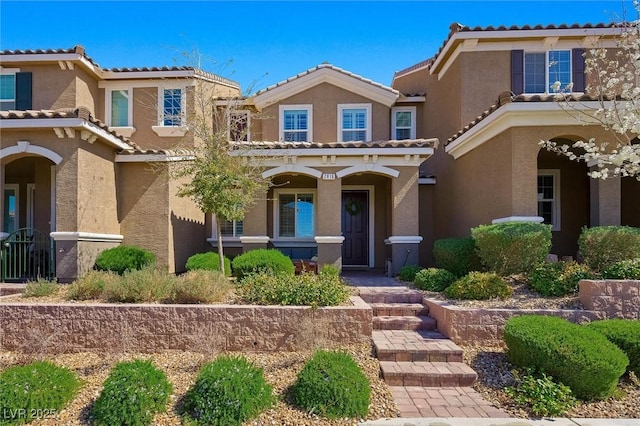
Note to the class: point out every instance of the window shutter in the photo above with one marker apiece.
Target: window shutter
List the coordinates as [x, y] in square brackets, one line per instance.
[23, 91]
[578, 66]
[517, 71]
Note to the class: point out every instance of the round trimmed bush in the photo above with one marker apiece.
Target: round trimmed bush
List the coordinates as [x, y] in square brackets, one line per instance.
[332, 385]
[581, 358]
[124, 258]
[457, 255]
[602, 246]
[625, 334]
[433, 279]
[227, 392]
[559, 278]
[268, 261]
[27, 391]
[408, 273]
[623, 270]
[479, 286]
[132, 394]
[209, 261]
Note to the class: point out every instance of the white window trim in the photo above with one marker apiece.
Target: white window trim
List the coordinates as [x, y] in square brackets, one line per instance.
[244, 112]
[128, 130]
[163, 130]
[276, 212]
[366, 107]
[10, 71]
[413, 111]
[306, 107]
[225, 238]
[548, 82]
[16, 189]
[557, 219]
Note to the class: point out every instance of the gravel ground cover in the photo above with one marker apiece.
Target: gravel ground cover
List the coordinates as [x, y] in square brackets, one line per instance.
[280, 370]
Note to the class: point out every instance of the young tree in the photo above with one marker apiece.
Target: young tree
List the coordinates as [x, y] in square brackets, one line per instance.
[220, 177]
[614, 82]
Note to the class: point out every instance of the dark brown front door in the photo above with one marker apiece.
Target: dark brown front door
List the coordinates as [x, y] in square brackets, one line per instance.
[355, 228]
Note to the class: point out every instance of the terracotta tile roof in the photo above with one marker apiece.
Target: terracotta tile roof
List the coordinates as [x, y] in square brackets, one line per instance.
[329, 66]
[75, 49]
[455, 28]
[508, 97]
[81, 112]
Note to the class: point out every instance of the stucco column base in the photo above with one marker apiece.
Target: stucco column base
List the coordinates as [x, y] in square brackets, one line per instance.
[330, 250]
[404, 252]
[76, 252]
[254, 242]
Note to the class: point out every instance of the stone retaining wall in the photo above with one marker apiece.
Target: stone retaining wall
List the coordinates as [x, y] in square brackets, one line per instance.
[49, 328]
[602, 300]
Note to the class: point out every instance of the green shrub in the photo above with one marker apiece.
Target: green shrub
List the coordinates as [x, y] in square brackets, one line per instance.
[330, 270]
[228, 391]
[408, 273]
[512, 247]
[146, 285]
[623, 270]
[209, 261]
[298, 290]
[457, 255]
[28, 392]
[332, 384]
[581, 358]
[434, 279]
[132, 394]
[479, 286]
[559, 278]
[269, 261]
[602, 246]
[625, 334]
[201, 286]
[91, 286]
[40, 288]
[124, 258]
[541, 395]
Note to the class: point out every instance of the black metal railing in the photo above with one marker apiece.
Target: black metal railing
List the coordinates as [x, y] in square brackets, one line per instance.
[26, 255]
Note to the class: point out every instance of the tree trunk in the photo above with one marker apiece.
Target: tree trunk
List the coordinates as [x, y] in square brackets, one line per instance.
[220, 248]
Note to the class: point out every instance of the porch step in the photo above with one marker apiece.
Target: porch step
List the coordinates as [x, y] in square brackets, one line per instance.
[399, 309]
[390, 295]
[403, 323]
[423, 345]
[9, 289]
[427, 374]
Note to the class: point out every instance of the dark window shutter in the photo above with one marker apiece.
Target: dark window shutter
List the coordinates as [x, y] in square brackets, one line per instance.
[517, 71]
[23, 91]
[578, 67]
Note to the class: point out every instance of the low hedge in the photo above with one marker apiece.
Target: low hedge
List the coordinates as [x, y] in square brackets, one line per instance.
[602, 246]
[269, 261]
[512, 247]
[577, 356]
[559, 278]
[132, 394]
[124, 258]
[332, 385]
[623, 270]
[433, 279]
[479, 286]
[625, 334]
[209, 261]
[457, 255]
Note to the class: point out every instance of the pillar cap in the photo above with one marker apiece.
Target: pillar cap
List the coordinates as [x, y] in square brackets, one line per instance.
[254, 239]
[404, 239]
[537, 219]
[329, 239]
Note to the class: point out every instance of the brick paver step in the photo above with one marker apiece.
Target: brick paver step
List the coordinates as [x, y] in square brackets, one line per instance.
[422, 345]
[399, 309]
[390, 295]
[426, 373]
[404, 323]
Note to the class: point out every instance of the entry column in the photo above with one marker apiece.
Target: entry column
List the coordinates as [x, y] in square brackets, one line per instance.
[328, 219]
[254, 232]
[405, 238]
[606, 201]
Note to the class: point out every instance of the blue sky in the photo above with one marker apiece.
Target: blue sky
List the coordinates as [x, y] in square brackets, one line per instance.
[261, 43]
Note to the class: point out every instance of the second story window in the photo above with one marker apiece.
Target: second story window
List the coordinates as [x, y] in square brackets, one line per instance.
[7, 91]
[15, 90]
[296, 123]
[403, 123]
[543, 69]
[354, 122]
[120, 108]
[172, 107]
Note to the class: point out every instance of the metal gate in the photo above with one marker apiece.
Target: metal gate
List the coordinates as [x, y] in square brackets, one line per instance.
[27, 255]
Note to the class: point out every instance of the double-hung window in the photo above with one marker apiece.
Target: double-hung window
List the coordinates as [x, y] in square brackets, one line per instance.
[172, 107]
[295, 213]
[7, 91]
[543, 69]
[354, 122]
[120, 108]
[296, 122]
[403, 123]
[549, 197]
[15, 90]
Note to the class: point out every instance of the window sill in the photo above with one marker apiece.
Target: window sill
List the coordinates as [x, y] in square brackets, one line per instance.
[170, 131]
[125, 131]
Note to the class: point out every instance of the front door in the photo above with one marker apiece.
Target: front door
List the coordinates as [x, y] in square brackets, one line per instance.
[355, 228]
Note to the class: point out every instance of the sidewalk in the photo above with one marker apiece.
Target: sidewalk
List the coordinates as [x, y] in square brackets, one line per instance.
[448, 421]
